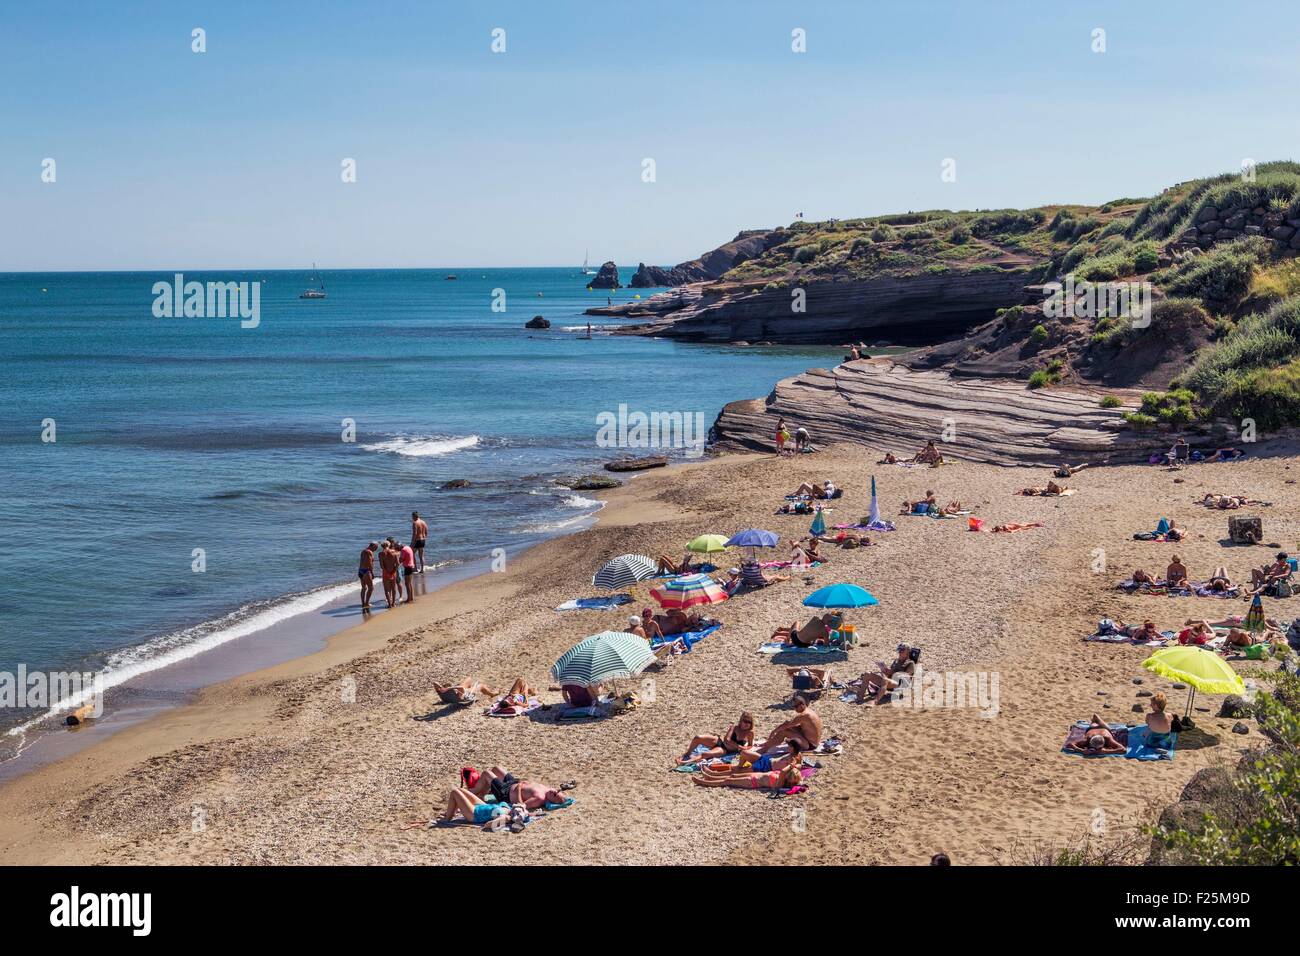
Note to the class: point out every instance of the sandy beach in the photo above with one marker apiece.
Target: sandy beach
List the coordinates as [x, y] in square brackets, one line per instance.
[283, 766]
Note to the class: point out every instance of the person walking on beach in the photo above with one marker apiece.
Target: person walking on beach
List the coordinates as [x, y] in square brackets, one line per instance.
[366, 572]
[419, 535]
[780, 436]
[388, 569]
[407, 557]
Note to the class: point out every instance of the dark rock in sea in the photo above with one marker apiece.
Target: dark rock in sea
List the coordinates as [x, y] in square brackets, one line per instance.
[1240, 728]
[636, 464]
[455, 483]
[589, 482]
[606, 278]
[537, 322]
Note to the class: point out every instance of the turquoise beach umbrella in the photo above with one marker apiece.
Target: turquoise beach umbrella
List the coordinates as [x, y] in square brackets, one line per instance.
[818, 525]
[603, 657]
[839, 596]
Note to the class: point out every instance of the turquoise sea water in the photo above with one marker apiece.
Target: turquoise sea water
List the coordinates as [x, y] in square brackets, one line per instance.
[180, 433]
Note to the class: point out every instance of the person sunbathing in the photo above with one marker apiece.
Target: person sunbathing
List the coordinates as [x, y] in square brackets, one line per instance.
[1225, 454]
[814, 490]
[889, 459]
[1066, 471]
[1261, 579]
[929, 455]
[1198, 633]
[1014, 526]
[1098, 739]
[1159, 726]
[1176, 573]
[1239, 638]
[1219, 581]
[799, 556]
[951, 509]
[677, 621]
[765, 773]
[466, 692]
[665, 565]
[650, 626]
[808, 678]
[915, 507]
[816, 631]
[1224, 502]
[886, 677]
[739, 736]
[803, 730]
[811, 549]
[1146, 632]
[473, 808]
[1141, 577]
[509, 789]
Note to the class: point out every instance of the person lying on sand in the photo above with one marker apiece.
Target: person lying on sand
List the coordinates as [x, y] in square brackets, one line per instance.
[1176, 573]
[1225, 454]
[886, 677]
[768, 778]
[951, 509]
[466, 692]
[1239, 638]
[1014, 526]
[929, 455]
[1263, 578]
[473, 808]
[1052, 489]
[803, 730]
[1147, 631]
[677, 621]
[816, 631]
[1198, 633]
[1219, 581]
[911, 507]
[507, 788]
[665, 565]
[739, 736]
[1227, 502]
[1141, 577]
[808, 678]
[813, 490]
[889, 459]
[1066, 471]
[1098, 739]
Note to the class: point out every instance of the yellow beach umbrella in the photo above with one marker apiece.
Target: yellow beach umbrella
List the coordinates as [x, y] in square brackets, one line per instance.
[707, 544]
[1198, 668]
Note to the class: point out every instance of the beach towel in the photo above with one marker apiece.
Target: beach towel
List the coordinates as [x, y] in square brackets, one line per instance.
[689, 638]
[776, 647]
[1077, 733]
[596, 603]
[699, 569]
[1139, 745]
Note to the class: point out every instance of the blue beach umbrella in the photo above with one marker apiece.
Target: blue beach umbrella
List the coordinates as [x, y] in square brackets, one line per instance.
[840, 595]
[753, 538]
[818, 527]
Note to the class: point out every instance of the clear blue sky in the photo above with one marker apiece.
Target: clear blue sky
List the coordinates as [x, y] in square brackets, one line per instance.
[171, 159]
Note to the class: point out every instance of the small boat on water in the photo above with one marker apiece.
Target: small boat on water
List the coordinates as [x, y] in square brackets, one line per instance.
[586, 271]
[319, 291]
[449, 278]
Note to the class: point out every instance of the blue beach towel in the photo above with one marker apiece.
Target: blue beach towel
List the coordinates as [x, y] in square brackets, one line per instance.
[1139, 745]
[603, 603]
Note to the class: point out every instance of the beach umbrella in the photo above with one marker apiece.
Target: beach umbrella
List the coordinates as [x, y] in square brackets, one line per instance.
[603, 657]
[874, 522]
[818, 527]
[1254, 620]
[840, 596]
[707, 544]
[1197, 667]
[624, 570]
[753, 538]
[689, 590]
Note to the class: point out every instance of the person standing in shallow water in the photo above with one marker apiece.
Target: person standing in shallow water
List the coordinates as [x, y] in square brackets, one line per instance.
[366, 572]
[388, 566]
[408, 571]
[419, 536]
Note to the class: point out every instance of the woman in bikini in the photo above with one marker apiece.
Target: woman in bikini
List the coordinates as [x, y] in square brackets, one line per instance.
[765, 773]
[1159, 726]
[738, 736]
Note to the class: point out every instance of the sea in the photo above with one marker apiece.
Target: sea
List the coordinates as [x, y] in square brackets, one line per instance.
[174, 486]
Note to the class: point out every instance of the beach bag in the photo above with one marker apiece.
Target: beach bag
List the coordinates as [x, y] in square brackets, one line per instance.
[974, 524]
[1280, 589]
[1293, 634]
[1106, 626]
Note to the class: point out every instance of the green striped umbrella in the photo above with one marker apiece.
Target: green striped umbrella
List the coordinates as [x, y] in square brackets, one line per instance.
[603, 657]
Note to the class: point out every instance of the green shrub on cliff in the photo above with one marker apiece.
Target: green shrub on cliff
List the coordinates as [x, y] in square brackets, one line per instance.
[1223, 374]
[1220, 278]
[805, 254]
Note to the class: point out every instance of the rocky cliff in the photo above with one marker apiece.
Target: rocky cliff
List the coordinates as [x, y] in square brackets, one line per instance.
[747, 245]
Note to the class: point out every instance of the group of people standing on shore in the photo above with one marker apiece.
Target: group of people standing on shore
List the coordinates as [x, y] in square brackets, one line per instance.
[398, 564]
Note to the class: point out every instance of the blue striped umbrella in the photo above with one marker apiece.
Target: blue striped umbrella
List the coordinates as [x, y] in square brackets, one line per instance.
[603, 657]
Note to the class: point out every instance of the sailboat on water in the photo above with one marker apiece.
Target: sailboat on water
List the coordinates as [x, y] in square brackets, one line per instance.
[319, 291]
[585, 270]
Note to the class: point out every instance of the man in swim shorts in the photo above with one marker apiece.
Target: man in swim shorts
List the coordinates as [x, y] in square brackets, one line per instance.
[407, 558]
[419, 535]
[366, 572]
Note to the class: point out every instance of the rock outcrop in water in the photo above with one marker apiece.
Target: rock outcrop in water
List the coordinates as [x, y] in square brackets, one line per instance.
[606, 278]
[537, 322]
[747, 245]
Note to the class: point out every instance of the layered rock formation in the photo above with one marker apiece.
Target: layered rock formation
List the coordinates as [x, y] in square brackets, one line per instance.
[606, 278]
[905, 310]
[890, 407]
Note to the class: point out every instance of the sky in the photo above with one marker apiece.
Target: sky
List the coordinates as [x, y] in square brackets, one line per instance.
[165, 158]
